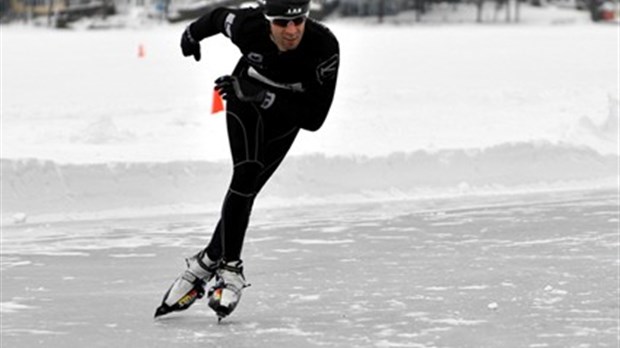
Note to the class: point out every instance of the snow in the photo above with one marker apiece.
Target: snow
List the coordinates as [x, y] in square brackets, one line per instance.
[432, 110]
[86, 96]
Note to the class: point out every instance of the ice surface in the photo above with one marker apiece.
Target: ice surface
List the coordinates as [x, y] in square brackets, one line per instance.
[510, 276]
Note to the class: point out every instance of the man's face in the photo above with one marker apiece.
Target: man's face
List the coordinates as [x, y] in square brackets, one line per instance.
[287, 33]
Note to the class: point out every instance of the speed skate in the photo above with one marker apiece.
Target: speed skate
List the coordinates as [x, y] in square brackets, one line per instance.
[224, 281]
[225, 295]
[189, 286]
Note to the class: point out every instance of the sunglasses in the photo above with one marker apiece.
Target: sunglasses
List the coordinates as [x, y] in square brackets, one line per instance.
[284, 21]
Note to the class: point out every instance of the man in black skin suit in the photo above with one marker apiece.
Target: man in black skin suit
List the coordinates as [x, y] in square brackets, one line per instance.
[284, 81]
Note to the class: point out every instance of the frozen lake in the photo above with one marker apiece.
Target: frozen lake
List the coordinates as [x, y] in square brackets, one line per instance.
[538, 270]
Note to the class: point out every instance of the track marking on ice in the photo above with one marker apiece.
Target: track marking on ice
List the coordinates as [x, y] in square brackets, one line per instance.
[454, 321]
[9, 332]
[321, 241]
[13, 307]
[416, 314]
[386, 237]
[396, 303]
[300, 297]
[209, 334]
[367, 224]
[39, 289]
[4, 264]
[288, 331]
[132, 255]
[473, 287]
[349, 260]
[61, 253]
[334, 229]
[452, 223]
[286, 251]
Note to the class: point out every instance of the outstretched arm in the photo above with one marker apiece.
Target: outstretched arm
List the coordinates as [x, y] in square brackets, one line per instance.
[217, 21]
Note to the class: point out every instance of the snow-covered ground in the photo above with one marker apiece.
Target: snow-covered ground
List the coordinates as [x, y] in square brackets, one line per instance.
[84, 96]
[88, 125]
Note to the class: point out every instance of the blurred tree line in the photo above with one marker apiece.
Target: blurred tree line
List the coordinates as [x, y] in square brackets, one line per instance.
[61, 12]
[383, 8]
[510, 10]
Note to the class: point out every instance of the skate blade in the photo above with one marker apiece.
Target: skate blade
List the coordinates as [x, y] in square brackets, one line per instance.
[182, 304]
[162, 310]
[220, 316]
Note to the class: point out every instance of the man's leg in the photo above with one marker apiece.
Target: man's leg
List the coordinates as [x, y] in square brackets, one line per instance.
[277, 143]
[276, 149]
[245, 134]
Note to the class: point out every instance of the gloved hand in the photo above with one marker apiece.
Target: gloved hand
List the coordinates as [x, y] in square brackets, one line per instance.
[189, 46]
[243, 90]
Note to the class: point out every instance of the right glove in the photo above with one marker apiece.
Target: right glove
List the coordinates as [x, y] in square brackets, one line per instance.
[189, 45]
[233, 87]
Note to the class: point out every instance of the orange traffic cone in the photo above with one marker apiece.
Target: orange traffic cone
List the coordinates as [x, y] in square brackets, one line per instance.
[218, 103]
[141, 52]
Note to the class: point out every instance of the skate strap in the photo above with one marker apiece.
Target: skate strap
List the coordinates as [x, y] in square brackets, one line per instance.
[199, 258]
[234, 287]
[211, 268]
[189, 276]
[228, 266]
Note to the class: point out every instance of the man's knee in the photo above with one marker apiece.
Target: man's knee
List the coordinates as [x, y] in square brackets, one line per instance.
[245, 177]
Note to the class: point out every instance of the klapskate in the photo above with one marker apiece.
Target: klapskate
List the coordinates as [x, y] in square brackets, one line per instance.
[189, 286]
[225, 295]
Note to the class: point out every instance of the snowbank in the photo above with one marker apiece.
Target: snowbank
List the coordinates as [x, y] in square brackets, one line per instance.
[36, 188]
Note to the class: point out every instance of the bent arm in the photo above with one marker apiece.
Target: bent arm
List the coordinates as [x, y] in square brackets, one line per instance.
[313, 104]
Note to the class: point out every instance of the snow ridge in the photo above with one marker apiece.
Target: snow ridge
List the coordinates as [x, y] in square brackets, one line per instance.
[45, 187]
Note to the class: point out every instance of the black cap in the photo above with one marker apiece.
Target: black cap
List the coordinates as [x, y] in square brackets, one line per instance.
[285, 8]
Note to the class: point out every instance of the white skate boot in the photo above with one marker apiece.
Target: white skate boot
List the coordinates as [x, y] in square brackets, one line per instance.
[226, 293]
[189, 286]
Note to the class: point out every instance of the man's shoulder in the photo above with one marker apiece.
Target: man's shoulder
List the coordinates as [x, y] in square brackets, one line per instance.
[251, 12]
[322, 37]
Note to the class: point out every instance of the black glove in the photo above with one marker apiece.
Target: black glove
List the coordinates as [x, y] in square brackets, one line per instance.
[233, 87]
[189, 46]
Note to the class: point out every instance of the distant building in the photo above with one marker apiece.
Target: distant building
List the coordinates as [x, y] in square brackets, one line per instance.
[25, 9]
[174, 10]
[373, 7]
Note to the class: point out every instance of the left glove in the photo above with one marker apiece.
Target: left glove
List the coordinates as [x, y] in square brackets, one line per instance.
[189, 46]
[233, 87]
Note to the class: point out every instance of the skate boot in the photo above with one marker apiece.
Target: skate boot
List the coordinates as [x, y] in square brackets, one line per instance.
[189, 286]
[226, 293]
